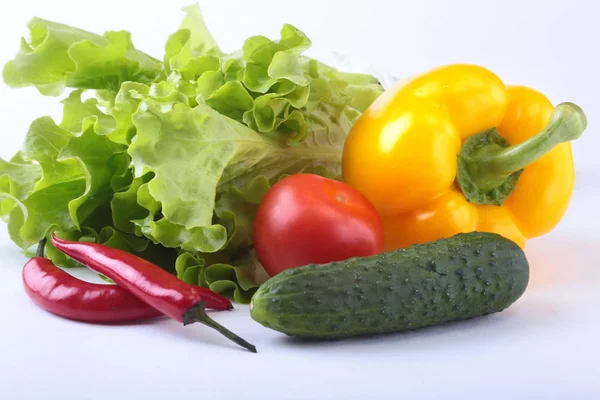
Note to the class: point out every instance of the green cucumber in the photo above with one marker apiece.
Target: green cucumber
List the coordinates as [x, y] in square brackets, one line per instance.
[456, 278]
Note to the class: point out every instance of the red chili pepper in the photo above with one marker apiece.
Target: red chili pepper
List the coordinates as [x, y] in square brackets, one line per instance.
[62, 294]
[179, 300]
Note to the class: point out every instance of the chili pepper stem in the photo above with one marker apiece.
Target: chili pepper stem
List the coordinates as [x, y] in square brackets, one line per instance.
[197, 313]
[567, 122]
[40, 248]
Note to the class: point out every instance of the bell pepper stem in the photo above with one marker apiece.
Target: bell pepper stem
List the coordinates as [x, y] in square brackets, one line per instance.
[567, 122]
[488, 167]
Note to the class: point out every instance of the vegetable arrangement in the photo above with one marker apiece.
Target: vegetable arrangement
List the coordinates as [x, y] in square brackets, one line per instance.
[183, 179]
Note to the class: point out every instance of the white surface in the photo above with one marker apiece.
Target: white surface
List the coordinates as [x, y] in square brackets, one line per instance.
[544, 346]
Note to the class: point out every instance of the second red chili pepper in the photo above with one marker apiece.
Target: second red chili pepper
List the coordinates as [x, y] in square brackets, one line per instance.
[62, 294]
[179, 300]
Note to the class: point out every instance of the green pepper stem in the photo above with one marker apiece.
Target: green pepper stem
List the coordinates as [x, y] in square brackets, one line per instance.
[567, 122]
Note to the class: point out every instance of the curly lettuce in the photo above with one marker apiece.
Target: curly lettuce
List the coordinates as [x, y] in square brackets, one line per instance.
[169, 158]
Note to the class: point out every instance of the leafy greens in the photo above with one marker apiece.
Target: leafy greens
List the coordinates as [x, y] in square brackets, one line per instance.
[170, 159]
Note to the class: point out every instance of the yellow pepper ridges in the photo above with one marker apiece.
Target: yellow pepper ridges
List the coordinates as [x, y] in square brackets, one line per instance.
[402, 154]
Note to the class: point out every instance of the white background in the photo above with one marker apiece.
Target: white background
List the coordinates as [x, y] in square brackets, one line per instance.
[545, 346]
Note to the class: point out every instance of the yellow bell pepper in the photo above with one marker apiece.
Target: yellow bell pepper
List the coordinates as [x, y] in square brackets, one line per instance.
[456, 150]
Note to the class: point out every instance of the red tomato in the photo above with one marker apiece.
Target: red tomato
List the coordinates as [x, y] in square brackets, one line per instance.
[305, 219]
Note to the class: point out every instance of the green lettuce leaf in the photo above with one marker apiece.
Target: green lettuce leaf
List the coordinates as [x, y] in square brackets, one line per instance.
[48, 209]
[94, 153]
[173, 139]
[192, 50]
[79, 115]
[43, 145]
[201, 38]
[236, 209]
[126, 209]
[232, 99]
[17, 181]
[59, 56]
[169, 159]
[76, 172]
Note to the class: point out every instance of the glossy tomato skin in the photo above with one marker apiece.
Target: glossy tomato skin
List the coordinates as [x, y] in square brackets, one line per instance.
[307, 219]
